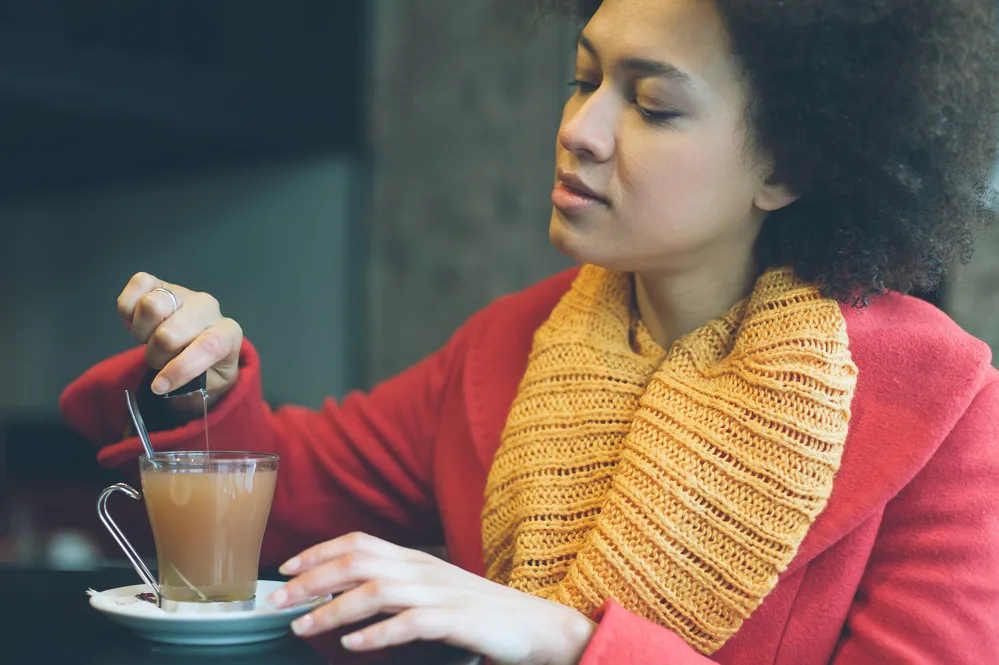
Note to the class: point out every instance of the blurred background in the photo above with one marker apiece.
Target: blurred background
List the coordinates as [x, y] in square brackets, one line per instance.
[351, 179]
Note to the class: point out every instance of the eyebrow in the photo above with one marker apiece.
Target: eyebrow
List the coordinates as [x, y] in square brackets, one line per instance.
[652, 68]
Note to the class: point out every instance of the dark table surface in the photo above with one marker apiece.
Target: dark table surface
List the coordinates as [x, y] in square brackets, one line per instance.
[45, 617]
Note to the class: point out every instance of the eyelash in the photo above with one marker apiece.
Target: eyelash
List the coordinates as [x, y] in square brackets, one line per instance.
[583, 87]
[652, 117]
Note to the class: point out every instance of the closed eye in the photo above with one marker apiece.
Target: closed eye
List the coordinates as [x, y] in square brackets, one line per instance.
[657, 117]
[584, 87]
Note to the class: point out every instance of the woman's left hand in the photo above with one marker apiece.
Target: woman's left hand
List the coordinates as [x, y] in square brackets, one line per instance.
[430, 600]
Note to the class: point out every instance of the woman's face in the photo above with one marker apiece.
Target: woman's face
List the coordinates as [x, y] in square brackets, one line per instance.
[654, 171]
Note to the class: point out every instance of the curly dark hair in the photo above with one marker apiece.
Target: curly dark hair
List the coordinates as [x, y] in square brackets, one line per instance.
[882, 116]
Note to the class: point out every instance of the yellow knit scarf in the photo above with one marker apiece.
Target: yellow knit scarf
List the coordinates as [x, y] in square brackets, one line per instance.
[680, 484]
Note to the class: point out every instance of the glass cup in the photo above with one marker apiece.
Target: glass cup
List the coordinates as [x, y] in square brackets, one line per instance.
[208, 512]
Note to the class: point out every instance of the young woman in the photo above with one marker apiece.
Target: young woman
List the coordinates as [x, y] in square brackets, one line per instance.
[727, 437]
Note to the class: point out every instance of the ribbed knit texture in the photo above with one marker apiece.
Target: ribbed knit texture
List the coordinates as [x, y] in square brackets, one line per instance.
[679, 484]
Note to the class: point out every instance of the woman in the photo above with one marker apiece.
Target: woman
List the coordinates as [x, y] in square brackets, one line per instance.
[728, 437]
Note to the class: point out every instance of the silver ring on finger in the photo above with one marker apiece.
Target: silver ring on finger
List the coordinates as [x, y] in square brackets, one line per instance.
[173, 298]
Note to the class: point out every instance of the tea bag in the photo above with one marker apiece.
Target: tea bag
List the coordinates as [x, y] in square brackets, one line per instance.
[197, 385]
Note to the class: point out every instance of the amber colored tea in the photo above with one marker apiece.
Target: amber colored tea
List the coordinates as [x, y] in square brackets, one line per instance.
[208, 515]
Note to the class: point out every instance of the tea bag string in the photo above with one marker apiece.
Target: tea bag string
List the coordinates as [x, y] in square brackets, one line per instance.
[183, 579]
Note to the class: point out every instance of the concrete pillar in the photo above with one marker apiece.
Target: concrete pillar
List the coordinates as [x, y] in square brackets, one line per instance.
[464, 111]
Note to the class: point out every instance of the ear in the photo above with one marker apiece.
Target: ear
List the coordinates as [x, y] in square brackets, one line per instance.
[773, 195]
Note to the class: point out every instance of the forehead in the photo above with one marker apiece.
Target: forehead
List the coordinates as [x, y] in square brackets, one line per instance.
[687, 34]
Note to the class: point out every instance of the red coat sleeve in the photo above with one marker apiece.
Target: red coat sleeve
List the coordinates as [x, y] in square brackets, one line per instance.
[623, 638]
[361, 464]
[930, 592]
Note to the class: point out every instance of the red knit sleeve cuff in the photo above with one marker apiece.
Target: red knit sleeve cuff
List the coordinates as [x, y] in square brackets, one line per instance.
[94, 406]
[623, 638]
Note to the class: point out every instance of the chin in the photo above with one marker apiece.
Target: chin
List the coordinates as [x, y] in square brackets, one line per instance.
[575, 243]
[564, 237]
[586, 245]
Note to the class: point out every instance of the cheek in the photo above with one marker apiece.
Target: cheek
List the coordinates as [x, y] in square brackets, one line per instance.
[683, 183]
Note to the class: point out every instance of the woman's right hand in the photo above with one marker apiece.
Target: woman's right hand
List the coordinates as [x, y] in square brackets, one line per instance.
[183, 343]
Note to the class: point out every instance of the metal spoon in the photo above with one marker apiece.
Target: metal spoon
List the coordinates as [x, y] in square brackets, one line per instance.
[140, 427]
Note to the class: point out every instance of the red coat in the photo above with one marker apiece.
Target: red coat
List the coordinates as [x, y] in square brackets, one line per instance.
[901, 567]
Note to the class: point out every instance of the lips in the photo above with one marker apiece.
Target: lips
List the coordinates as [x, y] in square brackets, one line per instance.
[575, 184]
[573, 197]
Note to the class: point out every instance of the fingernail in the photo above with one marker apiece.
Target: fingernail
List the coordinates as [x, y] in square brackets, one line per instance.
[291, 565]
[302, 625]
[279, 597]
[352, 641]
[160, 385]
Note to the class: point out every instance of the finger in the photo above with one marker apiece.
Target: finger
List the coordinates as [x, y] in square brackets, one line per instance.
[428, 624]
[352, 542]
[178, 330]
[367, 600]
[139, 285]
[340, 574]
[152, 308]
[212, 346]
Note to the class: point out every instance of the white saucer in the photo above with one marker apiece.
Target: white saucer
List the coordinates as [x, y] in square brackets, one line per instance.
[150, 622]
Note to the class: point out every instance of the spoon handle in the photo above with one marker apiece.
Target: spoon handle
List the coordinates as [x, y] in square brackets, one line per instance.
[140, 427]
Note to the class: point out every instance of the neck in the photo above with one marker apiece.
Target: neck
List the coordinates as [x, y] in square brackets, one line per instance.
[674, 304]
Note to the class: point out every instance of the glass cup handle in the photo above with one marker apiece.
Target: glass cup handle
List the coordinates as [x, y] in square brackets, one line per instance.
[119, 537]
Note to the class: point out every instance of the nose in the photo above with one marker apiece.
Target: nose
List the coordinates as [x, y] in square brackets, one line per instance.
[588, 128]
